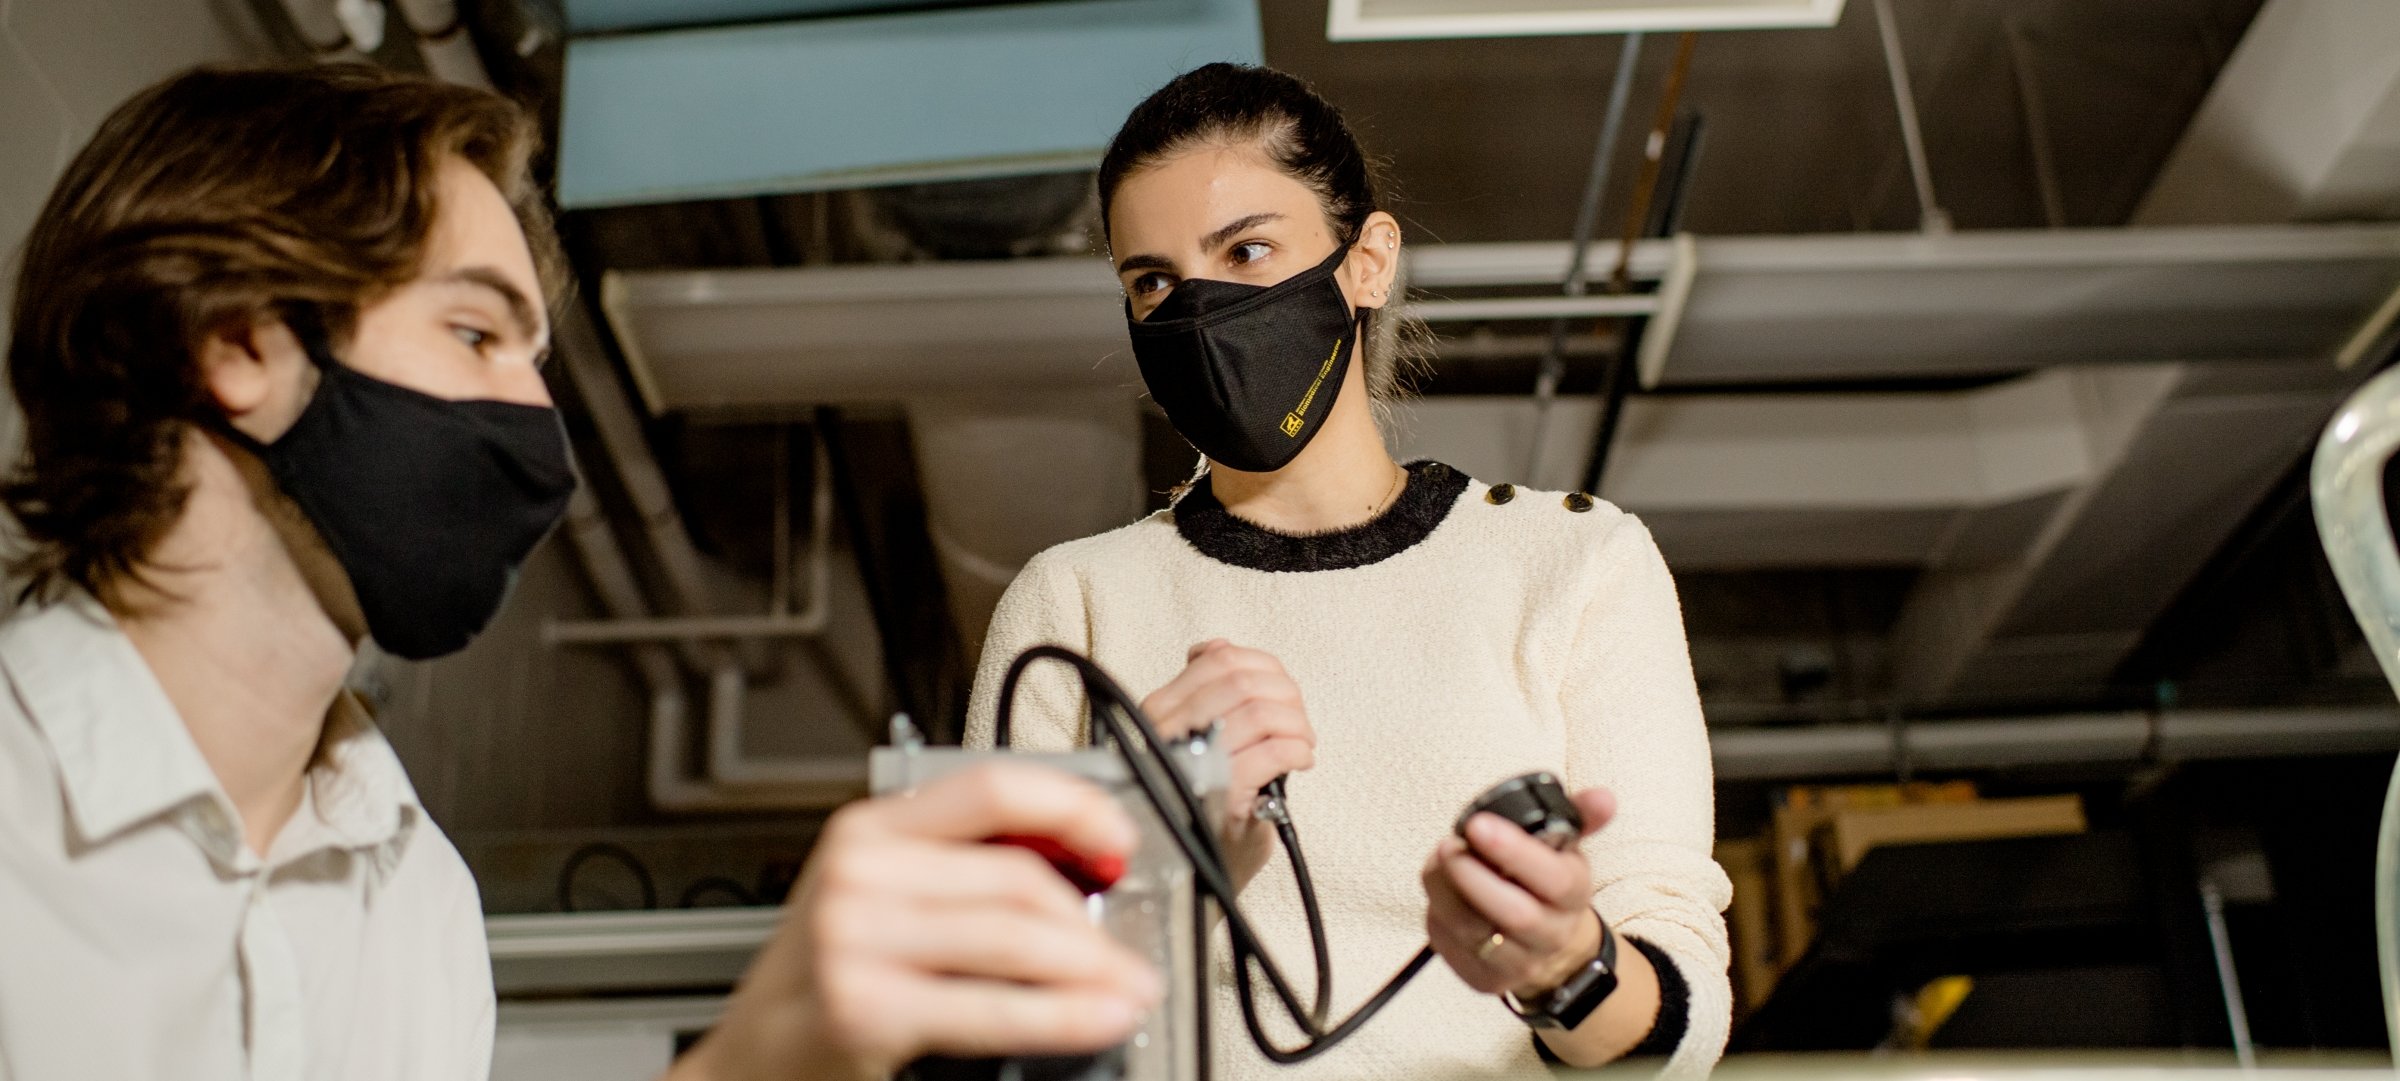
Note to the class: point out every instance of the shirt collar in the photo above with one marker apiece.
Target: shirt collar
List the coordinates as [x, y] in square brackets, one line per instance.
[359, 796]
[124, 755]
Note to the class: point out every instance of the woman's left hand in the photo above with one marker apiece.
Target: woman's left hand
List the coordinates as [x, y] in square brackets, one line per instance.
[1500, 880]
[1267, 735]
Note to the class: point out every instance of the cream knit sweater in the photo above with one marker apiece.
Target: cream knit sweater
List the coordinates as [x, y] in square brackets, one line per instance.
[1468, 634]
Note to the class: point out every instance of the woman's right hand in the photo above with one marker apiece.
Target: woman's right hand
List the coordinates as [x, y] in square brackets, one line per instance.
[1266, 734]
[908, 936]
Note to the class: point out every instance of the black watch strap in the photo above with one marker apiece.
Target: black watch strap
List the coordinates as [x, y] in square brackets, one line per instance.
[1566, 1006]
[1674, 1010]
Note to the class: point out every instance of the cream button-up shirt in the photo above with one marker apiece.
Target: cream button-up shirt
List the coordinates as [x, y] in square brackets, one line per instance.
[140, 937]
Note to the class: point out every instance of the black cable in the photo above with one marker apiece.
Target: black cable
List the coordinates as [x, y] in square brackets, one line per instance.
[1164, 789]
[1321, 1042]
[1249, 949]
[1190, 830]
[1111, 707]
[1279, 813]
[1202, 1008]
[581, 856]
[1191, 833]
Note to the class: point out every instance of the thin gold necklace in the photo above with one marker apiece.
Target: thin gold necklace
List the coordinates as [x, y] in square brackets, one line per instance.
[1399, 474]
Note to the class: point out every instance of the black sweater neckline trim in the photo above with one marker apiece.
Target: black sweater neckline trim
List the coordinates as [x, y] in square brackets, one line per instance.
[1424, 502]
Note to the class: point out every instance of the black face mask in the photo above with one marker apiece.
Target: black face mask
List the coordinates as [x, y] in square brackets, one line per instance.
[430, 505]
[1248, 373]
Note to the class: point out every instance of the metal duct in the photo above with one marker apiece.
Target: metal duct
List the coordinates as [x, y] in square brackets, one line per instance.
[1761, 754]
[2301, 124]
[1005, 478]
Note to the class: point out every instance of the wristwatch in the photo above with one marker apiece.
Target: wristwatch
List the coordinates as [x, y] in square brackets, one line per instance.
[1565, 1006]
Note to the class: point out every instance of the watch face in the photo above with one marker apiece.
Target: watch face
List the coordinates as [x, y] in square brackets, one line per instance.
[1569, 1005]
[1574, 1000]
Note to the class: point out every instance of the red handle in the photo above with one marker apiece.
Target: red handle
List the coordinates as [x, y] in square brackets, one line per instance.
[1091, 874]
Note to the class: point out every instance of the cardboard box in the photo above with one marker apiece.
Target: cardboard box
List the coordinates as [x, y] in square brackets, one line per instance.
[1801, 812]
[1851, 833]
[1749, 923]
[1818, 834]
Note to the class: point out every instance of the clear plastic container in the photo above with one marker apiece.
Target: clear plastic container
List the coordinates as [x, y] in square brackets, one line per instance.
[1152, 909]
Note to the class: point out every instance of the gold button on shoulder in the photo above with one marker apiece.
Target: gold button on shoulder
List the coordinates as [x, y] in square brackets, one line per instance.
[1578, 502]
[1500, 493]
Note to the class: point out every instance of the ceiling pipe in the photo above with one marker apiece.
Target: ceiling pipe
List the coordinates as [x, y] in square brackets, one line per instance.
[832, 781]
[1762, 754]
[1686, 138]
[1587, 220]
[777, 623]
[668, 730]
[443, 40]
[818, 782]
[1615, 385]
[1513, 309]
[672, 629]
[322, 29]
[779, 580]
[730, 781]
[1484, 344]
[1931, 217]
[783, 785]
[627, 449]
[2371, 337]
[1620, 373]
[1654, 152]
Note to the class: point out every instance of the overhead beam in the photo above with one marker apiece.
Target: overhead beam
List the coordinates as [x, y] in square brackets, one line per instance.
[1742, 311]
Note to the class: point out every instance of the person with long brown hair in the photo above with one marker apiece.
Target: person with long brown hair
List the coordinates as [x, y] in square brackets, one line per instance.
[277, 339]
[1394, 638]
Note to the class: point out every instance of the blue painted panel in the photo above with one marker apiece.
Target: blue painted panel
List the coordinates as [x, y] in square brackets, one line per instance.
[600, 16]
[857, 101]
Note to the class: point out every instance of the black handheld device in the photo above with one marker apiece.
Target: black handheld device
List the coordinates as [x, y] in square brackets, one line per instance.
[1536, 802]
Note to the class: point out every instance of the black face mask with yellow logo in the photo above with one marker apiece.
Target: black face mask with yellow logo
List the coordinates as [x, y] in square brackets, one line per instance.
[1248, 373]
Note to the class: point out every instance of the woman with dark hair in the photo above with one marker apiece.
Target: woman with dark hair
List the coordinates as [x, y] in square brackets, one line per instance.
[1448, 633]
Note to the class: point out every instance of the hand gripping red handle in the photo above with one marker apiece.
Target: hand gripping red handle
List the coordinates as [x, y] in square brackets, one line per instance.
[1091, 874]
